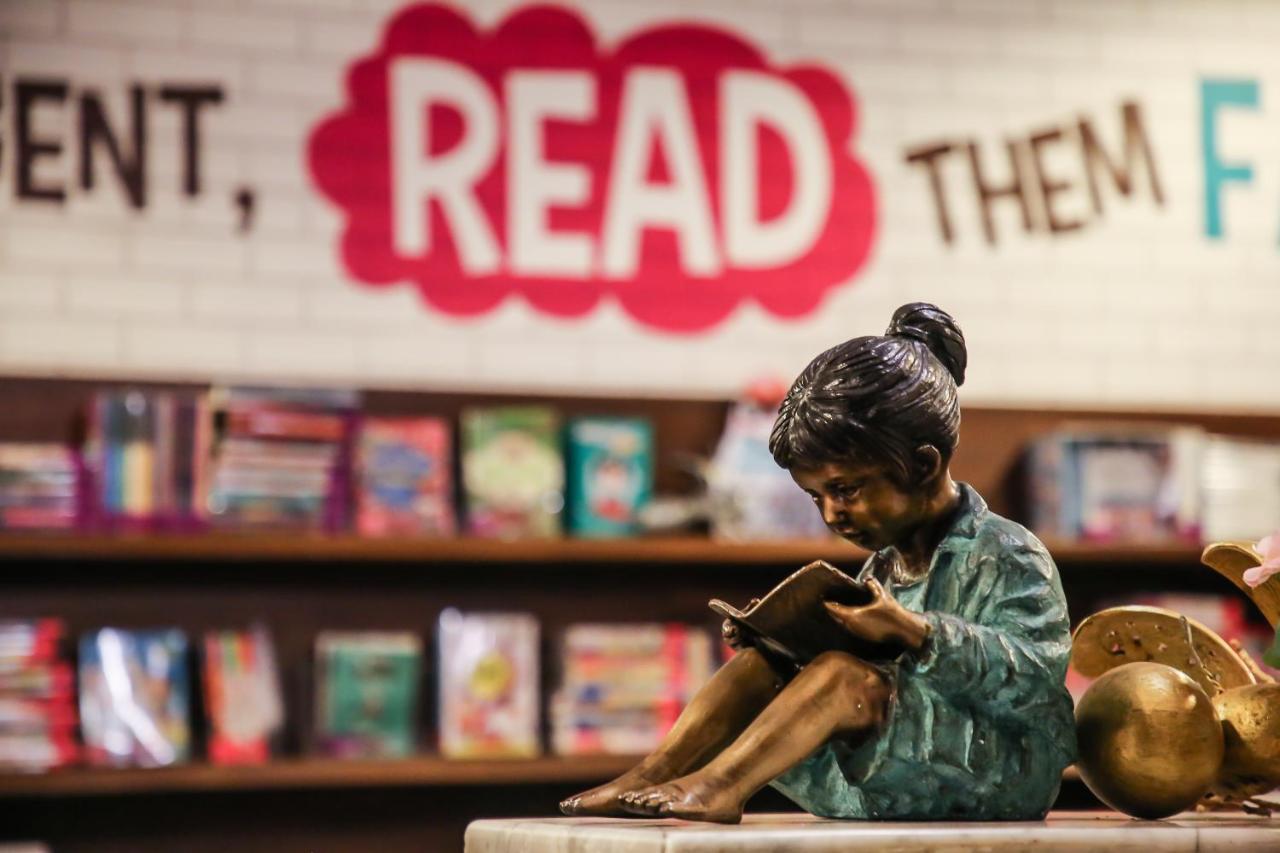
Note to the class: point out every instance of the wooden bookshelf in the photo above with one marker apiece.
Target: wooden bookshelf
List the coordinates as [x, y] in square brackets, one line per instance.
[304, 548]
[314, 773]
[320, 773]
[300, 585]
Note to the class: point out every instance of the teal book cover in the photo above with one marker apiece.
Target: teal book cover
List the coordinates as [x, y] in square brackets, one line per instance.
[610, 475]
[368, 693]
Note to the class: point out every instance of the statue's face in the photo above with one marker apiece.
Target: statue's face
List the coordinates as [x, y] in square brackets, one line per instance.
[861, 503]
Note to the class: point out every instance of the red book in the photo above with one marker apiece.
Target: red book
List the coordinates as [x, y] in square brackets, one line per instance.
[405, 477]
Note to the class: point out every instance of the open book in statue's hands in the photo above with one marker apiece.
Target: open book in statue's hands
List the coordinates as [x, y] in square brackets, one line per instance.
[791, 625]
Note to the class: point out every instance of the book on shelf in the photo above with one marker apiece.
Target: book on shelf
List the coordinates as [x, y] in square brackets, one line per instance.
[622, 685]
[1117, 483]
[609, 475]
[38, 718]
[39, 486]
[1241, 488]
[281, 458]
[243, 706]
[405, 477]
[366, 695]
[751, 498]
[143, 452]
[488, 685]
[512, 471]
[135, 697]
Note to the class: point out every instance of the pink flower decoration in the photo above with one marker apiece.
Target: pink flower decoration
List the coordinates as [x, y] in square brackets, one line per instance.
[1269, 548]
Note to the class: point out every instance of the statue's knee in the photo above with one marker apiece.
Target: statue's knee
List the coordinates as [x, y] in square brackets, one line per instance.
[838, 668]
[860, 689]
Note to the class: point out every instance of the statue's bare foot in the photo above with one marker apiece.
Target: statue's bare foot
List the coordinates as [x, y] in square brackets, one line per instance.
[692, 797]
[603, 801]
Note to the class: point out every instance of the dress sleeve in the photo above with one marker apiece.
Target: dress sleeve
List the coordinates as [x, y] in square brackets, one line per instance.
[1009, 644]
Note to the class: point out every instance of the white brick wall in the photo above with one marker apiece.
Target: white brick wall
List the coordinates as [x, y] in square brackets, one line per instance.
[1139, 309]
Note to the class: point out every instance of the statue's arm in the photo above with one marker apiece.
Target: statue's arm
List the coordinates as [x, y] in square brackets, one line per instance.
[1013, 645]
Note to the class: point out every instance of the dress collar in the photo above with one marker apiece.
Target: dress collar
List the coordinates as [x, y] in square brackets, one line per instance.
[965, 520]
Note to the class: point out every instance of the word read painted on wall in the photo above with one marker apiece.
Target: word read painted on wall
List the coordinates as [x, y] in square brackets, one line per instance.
[679, 173]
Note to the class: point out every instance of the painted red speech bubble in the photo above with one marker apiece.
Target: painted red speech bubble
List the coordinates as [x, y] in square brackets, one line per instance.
[678, 174]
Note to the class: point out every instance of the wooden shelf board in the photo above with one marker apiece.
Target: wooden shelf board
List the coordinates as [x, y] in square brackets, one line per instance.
[325, 548]
[310, 773]
[286, 547]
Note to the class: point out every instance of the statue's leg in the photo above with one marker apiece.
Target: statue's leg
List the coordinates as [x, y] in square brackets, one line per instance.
[836, 694]
[716, 715]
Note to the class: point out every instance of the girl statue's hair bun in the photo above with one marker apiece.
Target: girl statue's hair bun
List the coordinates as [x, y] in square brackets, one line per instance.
[937, 330]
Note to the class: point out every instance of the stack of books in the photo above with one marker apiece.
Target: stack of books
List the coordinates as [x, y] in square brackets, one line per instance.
[624, 685]
[37, 487]
[1109, 483]
[281, 457]
[145, 450]
[37, 698]
[1241, 488]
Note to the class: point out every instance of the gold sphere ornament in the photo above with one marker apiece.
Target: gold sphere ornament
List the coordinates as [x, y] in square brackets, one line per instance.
[1150, 741]
[1251, 737]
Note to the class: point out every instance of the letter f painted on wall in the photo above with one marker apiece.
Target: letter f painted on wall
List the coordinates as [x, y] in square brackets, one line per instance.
[1215, 94]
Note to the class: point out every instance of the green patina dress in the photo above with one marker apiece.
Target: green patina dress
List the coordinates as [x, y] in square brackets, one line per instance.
[981, 725]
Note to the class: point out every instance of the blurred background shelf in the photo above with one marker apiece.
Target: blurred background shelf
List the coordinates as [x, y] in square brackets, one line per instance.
[321, 773]
[314, 773]
[689, 549]
[319, 547]
[299, 585]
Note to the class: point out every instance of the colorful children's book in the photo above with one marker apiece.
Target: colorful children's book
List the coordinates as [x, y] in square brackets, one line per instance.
[610, 474]
[513, 471]
[135, 697]
[488, 685]
[38, 718]
[405, 477]
[367, 693]
[623, 685]
[281, 457]
[39, 486]
[242, 696]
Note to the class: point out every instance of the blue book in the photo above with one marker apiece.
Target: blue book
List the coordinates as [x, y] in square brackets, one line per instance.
[135, 697]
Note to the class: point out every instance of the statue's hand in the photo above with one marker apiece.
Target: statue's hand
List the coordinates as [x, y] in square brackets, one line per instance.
[883, 620]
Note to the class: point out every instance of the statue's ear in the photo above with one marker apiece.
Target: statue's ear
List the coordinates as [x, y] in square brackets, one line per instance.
[927, 463]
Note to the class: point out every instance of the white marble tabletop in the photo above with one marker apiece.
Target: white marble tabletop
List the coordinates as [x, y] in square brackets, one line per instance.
[1075, 832]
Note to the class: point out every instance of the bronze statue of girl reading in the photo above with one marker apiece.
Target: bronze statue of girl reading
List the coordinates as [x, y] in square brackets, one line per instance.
[971, 719]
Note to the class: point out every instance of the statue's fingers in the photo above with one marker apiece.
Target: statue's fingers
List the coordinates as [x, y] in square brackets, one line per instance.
[842, 612]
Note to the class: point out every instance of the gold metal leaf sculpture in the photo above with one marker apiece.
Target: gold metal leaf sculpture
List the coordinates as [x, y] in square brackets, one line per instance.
[1136, 633]
[1232, 560]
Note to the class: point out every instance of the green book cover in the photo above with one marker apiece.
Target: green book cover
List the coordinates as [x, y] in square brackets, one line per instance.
[368, 693]
[512, 471]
